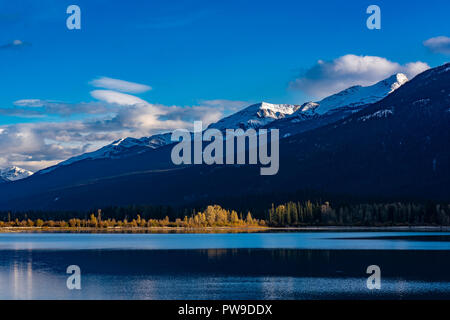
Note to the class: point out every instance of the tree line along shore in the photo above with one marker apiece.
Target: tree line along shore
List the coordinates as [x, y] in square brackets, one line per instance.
[289, 214]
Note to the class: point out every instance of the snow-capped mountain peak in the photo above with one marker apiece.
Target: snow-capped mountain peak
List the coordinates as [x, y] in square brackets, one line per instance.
[400, 79]
[14, 173]
[309, 106]
[255, 116]
[358, 95]
[152, 142]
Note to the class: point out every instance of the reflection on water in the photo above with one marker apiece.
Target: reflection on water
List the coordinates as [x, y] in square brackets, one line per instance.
[223, 273]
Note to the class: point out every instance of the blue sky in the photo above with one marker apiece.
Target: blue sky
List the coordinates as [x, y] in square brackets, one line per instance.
[215, 56]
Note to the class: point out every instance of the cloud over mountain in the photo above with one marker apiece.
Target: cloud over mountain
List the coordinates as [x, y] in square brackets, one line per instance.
[329, 77]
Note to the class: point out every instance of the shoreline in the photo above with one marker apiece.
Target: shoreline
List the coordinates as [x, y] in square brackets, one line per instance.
[238, 229]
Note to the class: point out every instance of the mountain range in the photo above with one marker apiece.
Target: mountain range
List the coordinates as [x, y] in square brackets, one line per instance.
[389, 140]
[256, 116]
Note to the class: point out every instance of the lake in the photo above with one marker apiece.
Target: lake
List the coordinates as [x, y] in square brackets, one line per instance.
[288, 265]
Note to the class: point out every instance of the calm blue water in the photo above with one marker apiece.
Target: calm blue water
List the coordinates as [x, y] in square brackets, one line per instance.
[303, 265]
[291, 240]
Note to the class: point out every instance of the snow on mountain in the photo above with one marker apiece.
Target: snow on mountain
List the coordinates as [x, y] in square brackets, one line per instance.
[255, 116]
[118, 149]
[312, 115]
[305, 112]
[378, 114]
[358, 95]
[341, 104]
[14, 173]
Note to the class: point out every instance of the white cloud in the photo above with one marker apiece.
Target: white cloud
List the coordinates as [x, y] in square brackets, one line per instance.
[34, 166]
[25, 143]
[41, 108]
[329, 77]
[438, 44]
[115, 97]
[120, 85]
[14, 44]
[29, 103]
[412, 69]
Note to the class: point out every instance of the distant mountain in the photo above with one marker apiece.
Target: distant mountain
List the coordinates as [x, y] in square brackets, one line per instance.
[14, 173]
[118, 149]
[396, 148]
